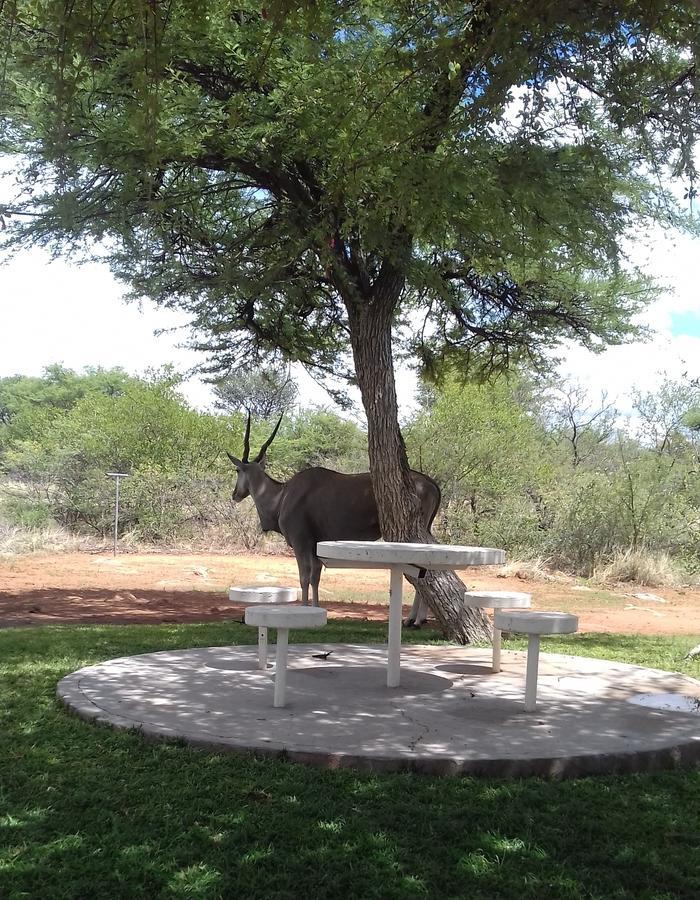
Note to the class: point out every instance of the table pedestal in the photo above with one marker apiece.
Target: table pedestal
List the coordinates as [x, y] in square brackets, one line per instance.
[403, 559]
[393, 674]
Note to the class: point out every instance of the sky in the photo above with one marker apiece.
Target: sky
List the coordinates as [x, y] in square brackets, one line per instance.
[673, 318]
[58, 312]
[52, 311]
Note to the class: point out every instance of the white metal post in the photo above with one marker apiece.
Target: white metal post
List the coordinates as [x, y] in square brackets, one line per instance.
[393, 678]
[116, 514]
[117, 476]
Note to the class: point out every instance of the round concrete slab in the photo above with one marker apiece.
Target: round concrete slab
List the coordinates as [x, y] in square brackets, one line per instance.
[450, 715]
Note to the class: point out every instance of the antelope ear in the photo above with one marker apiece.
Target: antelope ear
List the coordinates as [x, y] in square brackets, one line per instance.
[237, 462]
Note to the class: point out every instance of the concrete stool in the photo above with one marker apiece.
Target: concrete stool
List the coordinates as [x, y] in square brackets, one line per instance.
[283, 618]
[260, 594]
[497, 600]
[534, 624]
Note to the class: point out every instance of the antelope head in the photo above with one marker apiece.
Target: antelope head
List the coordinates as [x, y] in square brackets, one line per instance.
[246, 468]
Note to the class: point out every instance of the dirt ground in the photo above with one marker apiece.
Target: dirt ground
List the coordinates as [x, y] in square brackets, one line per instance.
[159, 587]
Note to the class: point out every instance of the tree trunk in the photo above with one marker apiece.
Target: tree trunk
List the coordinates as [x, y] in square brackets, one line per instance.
[370, 335]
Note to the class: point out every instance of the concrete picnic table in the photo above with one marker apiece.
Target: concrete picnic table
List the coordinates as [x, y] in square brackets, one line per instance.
[403, 559]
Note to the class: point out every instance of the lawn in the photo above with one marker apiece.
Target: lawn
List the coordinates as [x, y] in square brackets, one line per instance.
[89, 812]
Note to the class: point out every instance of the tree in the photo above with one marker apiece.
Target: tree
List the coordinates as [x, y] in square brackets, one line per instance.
[663, 415]
[263, 392]
[691, 420]
[317, 437]
[453, 180]
[489, 455]
[29, 405]
[664, 426]
[62, 451]
[574, 418]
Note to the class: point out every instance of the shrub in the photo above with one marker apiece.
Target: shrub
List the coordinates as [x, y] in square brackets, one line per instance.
[587, 525]
[27, 512]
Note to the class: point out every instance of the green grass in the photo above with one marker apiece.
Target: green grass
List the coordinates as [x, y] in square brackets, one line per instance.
[87, 812]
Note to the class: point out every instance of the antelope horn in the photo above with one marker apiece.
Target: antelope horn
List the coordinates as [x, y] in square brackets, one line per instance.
[246, 440]
[267, 443]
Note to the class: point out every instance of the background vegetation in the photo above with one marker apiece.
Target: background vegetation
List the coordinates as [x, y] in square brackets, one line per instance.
[524, 463]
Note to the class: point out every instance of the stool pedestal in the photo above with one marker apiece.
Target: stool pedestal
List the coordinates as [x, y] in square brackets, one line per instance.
[534, 625]
[271, 594]
[262, 647]
[497, 600]
[282, 618]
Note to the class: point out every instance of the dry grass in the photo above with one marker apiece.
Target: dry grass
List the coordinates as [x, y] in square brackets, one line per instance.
[221, 539]
[15, 541]
[641, 567]
[534, 569]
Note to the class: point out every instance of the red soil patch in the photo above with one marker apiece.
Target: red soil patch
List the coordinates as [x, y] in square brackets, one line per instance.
[154, 588]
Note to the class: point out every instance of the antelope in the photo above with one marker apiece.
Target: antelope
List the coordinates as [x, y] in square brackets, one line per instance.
[317, 504]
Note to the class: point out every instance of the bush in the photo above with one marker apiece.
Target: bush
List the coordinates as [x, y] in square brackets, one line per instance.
[587, 526]
[164, 506]
[27, 512]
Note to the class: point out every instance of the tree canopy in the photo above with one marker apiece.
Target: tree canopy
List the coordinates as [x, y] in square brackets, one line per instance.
[264, 168]
[28, 404]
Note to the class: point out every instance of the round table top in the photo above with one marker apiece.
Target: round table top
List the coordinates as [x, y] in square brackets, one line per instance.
[423, 556]
[286, 616]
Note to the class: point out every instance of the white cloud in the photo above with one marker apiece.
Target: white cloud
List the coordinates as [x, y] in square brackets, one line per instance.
[619, 370]
[672, 260]
[55, 312]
